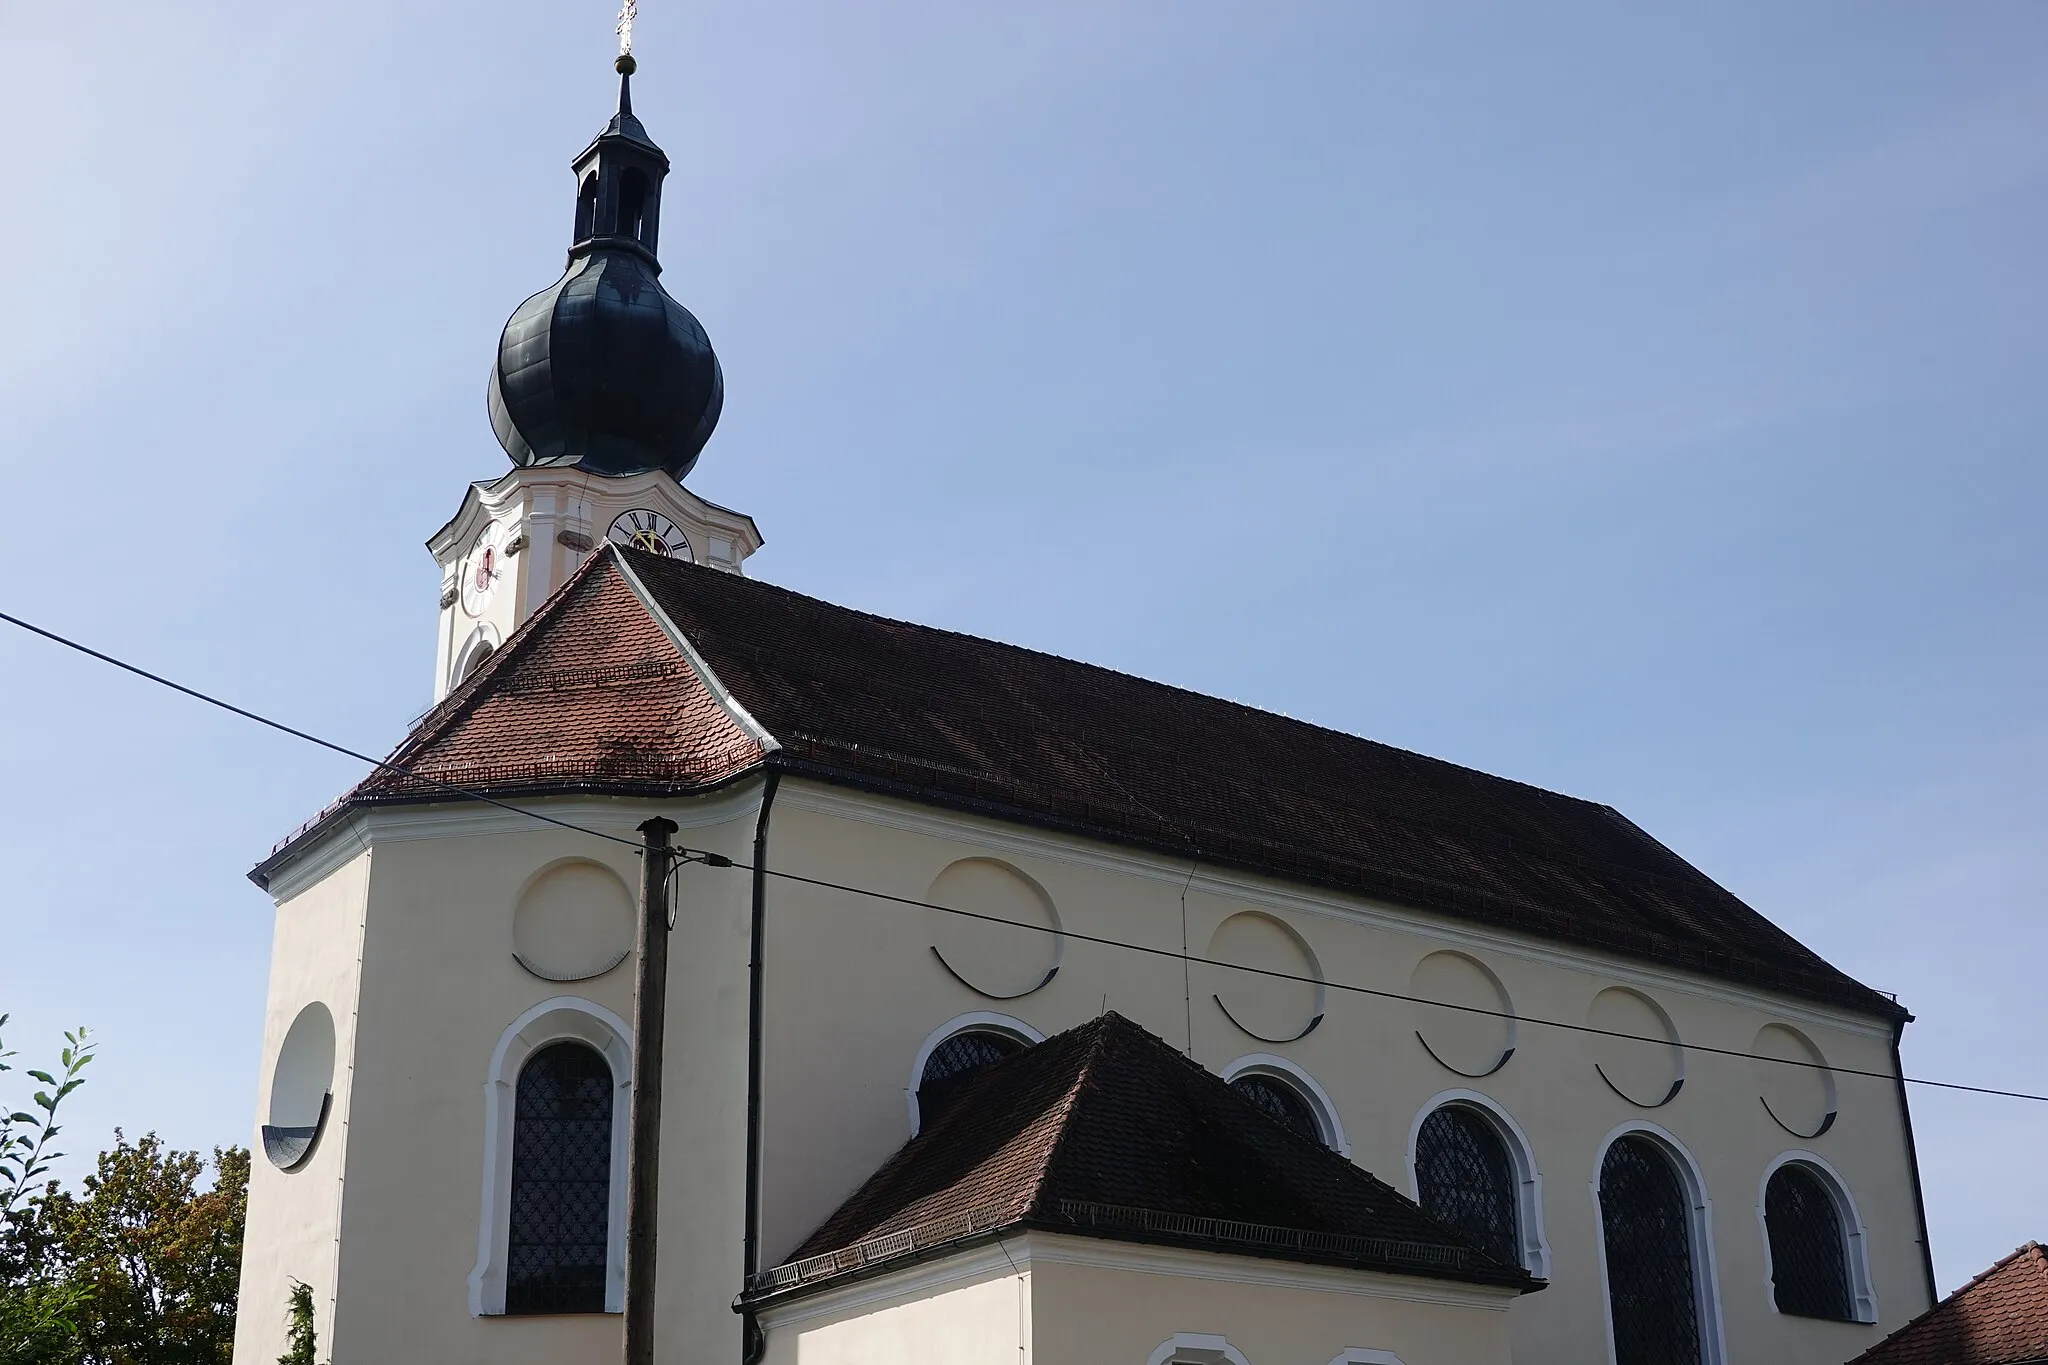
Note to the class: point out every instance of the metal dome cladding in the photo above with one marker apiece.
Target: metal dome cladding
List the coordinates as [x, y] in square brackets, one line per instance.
[604, 370]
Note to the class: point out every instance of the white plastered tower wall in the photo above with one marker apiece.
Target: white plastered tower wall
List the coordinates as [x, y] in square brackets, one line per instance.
[386, 1225]
[294, 1223]
[539, 523]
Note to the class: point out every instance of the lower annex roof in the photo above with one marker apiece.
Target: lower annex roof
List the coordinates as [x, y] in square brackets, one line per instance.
[1105, 1131]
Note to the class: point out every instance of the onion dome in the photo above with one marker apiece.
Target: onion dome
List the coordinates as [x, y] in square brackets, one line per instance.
[602, 369]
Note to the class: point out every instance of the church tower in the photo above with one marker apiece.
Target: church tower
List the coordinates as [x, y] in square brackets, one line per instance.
[603, 392]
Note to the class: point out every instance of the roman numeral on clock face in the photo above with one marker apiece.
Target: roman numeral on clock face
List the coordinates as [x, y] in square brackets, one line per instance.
[644, 529]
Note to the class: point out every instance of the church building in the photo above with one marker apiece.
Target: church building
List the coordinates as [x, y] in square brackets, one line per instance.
[1018, 1011]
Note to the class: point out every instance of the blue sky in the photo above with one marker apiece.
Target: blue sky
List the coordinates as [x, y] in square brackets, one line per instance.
[1642, 402]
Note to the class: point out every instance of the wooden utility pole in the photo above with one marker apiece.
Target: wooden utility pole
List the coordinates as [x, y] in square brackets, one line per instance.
[643, 1150]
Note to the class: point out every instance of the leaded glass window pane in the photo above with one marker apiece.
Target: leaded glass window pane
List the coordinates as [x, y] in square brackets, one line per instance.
[1647, 1222]
[561, 1183]
[1809, 1262]
[1280, 1101]
[1463, 1178]
[955, 1062]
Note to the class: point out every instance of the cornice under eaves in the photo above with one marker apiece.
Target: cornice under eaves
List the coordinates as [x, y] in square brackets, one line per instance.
[827, 794]
[987, 1256]
[356, 830]
[482, 498]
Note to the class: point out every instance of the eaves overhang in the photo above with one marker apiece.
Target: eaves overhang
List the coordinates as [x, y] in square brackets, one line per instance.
[799, 757]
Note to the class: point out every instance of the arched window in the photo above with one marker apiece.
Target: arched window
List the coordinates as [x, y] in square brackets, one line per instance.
[1646, 1221]
[1464, 1178]
[1195, 1348]
[1281, 1102]
[586, 207]
[1809, 1255]
[957, 1061]
[559, 1227]
[1289, 1096]
[476, 658]
[481, 643]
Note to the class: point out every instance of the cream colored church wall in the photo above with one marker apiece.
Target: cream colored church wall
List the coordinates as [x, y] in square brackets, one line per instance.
[855, 990]
[1038, 1297]
[1105, 1303]
[970, 1310]
[293, 1218]
[439, 987]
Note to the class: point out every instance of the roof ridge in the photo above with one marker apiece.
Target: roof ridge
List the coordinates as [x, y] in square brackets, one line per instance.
[1996, 1266]
[1314, 726]
[1063, 1112]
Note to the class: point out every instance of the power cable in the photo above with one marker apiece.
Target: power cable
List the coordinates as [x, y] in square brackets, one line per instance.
[720, 860]
[280, 726]
[683, 855]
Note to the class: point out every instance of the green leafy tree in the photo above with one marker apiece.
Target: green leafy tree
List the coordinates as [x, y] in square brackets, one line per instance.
[39, 1323]
[158, 1258]
[39, 1308]
[24, 1133]
[303, 1346]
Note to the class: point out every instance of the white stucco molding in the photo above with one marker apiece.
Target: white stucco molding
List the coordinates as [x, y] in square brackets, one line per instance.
[1521, 1154]
[319, 852]
[1360, 1355]
[1197, 1348]
[570, 497]
[1001, 839]
[1308, 1087]
[1229, 1268]
[1855, 1242]
[562, 1018]
[920, 1279]
[1706, 1282]
[481, 642]
[975, 1021]
[1016, 1255]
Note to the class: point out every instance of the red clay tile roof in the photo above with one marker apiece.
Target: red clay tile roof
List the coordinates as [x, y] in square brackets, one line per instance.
[1106, 1131]
[592, 694]
[1999, 1318]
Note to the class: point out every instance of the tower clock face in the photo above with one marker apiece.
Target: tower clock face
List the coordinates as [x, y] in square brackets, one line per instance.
[641, 529]
[481, 569]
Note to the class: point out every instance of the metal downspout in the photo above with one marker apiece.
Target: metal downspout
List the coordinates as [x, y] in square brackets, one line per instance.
[1913, 1163]
[753, 1341]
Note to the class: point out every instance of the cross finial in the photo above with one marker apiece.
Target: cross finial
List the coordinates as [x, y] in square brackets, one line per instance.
[629, 10]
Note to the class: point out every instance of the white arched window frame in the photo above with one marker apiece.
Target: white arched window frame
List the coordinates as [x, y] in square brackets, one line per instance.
[1705, 1281]
[559, 1020]
[1855, 1245]
[976, 1021]
[480, 644]
[1521, 1155]
[1304, 1085]
[1196, 1348]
